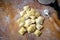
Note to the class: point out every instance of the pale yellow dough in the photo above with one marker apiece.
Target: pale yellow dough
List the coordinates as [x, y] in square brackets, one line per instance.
[37, 33]
[30, 21]
[39, 27]
[22, 30]
[31, 28]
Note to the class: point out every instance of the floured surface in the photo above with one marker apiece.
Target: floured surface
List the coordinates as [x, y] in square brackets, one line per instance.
[9, 13]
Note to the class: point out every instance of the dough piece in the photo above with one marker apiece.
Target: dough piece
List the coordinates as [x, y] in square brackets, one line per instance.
[22, 13]
[37, 14]
[21, 24]
[37, 33]
[26, 25]
[33, 21]
[26, 16]
[26, 8]
[39, 27]
[22, 30]
[31, 12]
[32, 17]
[39, 20]
[22, 19]
[28, 22]
[31, 28]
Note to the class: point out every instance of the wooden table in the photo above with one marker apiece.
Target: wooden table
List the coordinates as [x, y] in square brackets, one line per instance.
[9, 13]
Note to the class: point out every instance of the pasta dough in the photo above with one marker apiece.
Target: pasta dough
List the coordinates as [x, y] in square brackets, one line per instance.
[30, 21]
[37, 14]
[39, 27]
[39, 20]
[22, 13]
[31, 28]
[22, 30]
[37, 33]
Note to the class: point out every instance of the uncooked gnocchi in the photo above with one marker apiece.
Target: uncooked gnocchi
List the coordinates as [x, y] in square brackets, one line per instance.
[30, 21]
[21, 24]
[31, 28]
[26, 25]
[22, 13]
[40, 20]
[26, 16]
[22, 30]
[39, 27]
[37, 33]
[32, 17]
[37, 14]
[26, 8]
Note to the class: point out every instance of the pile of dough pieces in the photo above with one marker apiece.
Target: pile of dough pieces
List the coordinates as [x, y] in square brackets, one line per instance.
[30, 21]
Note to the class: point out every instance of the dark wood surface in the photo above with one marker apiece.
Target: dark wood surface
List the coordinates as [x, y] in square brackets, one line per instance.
[9, 13]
